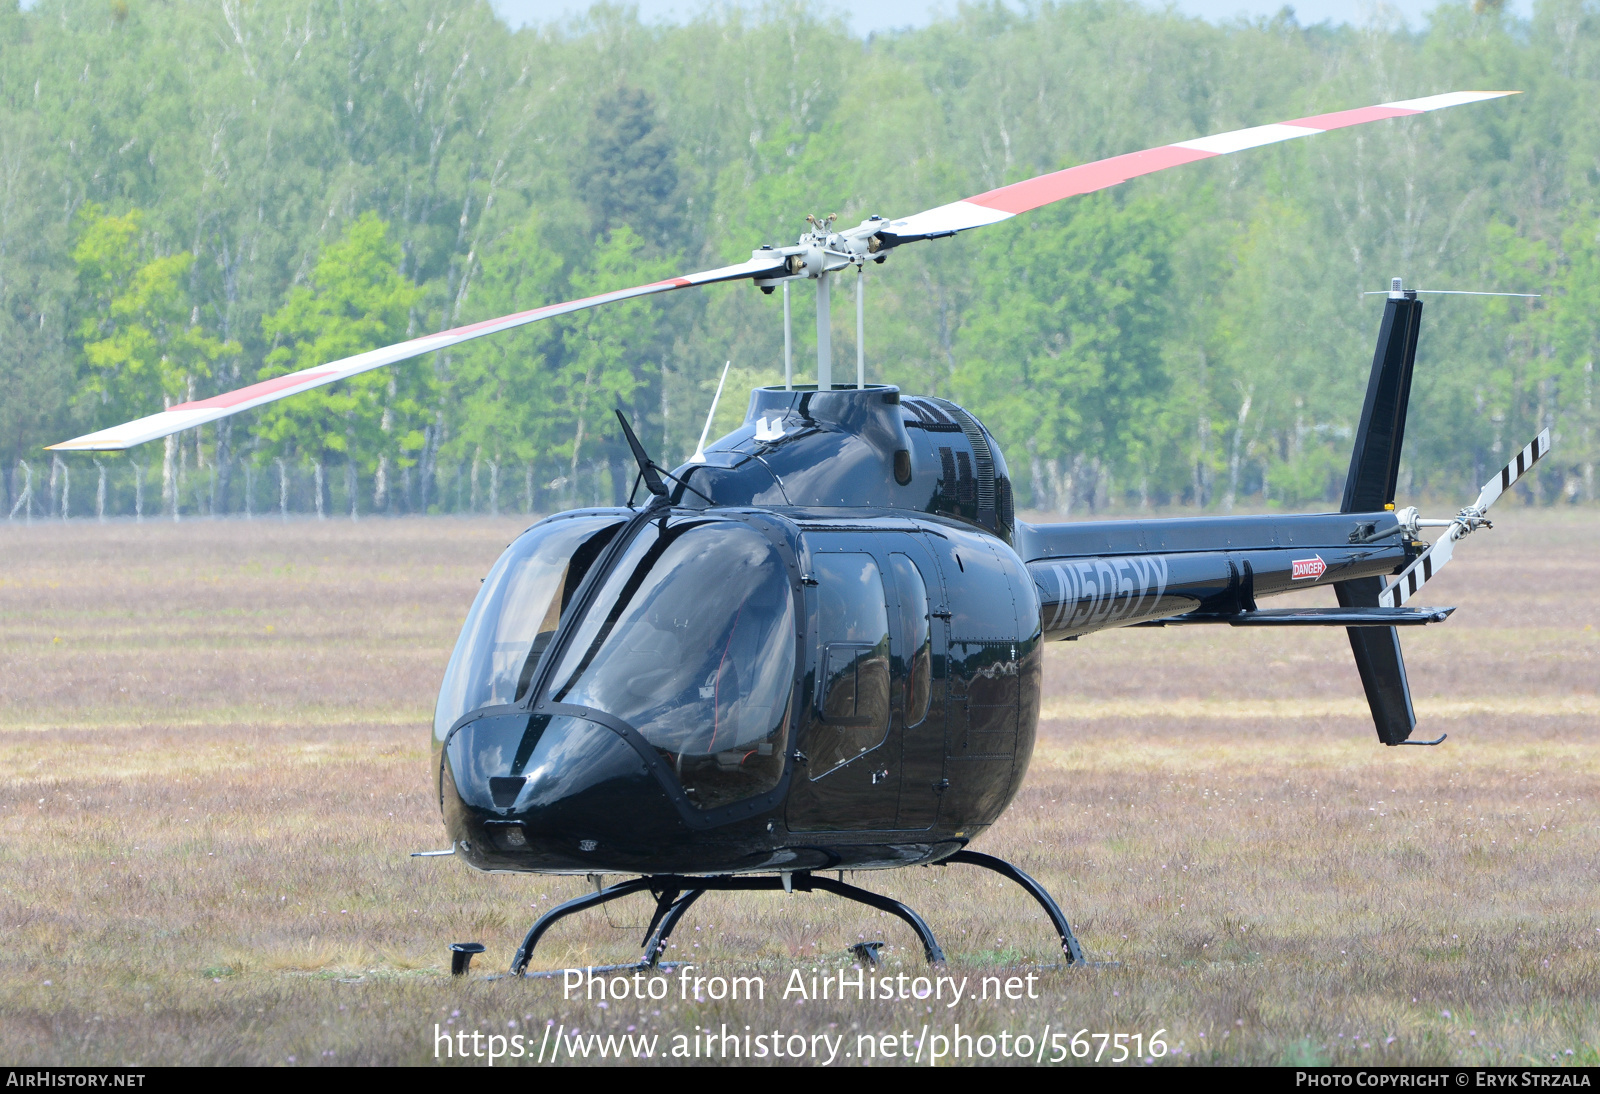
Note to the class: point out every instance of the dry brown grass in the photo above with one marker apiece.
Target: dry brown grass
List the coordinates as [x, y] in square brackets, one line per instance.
[215, 763]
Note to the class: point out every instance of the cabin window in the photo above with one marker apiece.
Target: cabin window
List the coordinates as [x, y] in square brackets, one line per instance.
[912, 592]
[516, 613]
[691, 641]
[853, 707]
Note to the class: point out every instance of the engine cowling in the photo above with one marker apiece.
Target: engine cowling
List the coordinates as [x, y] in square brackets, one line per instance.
[857, 447]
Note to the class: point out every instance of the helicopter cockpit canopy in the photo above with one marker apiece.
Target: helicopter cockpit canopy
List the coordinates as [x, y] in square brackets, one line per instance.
[516, 614]
[689, 640]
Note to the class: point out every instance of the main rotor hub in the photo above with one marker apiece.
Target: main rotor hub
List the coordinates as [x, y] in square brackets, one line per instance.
[821, 250]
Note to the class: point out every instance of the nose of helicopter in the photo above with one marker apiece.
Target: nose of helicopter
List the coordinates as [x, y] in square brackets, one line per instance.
[536, 791]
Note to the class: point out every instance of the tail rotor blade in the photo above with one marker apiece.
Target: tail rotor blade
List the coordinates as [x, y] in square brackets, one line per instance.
[1421, 570]
[1431, 561]
[1536, 450]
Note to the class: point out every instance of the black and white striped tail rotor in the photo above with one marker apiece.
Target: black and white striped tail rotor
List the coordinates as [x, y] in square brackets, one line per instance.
[1511, 472]
[1470, 519]
[1416, 575]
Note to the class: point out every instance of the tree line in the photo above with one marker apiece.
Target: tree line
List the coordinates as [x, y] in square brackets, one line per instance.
[198, 195]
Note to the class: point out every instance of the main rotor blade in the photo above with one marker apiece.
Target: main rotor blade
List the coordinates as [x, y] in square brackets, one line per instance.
[1020, 197]
[1431, 561]
[186, 415]
[974, 212]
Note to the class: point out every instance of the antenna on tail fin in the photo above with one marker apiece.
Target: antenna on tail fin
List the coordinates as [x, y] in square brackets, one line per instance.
[1374, 470]
[1375, 462]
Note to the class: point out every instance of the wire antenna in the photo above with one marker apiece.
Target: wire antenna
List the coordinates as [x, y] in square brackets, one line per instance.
[1458, 292]
[700, 449]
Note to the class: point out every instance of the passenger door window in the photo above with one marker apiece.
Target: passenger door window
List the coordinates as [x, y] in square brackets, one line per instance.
[853, 698]
[912, 593]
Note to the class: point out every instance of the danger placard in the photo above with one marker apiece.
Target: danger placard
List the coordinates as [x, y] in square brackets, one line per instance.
[1303, 569]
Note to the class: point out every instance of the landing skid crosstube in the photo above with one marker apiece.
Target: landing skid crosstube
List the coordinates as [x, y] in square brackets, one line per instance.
[675, 894]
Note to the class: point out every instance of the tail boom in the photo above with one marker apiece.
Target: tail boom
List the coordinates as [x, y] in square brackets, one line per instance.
[1100, 575]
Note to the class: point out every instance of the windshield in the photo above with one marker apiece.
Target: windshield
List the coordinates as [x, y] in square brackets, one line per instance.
[691, 642]
[515, 615]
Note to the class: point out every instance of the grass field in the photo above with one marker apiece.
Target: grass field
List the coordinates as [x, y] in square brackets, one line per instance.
[213, 738]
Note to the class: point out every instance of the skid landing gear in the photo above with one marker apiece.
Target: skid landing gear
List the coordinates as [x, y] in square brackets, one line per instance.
[1069, 942]
[675, 894]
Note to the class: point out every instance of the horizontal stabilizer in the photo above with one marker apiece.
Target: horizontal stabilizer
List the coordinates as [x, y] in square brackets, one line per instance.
[1311, 617]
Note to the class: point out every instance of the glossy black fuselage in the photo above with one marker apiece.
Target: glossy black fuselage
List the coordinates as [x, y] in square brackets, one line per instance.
[885, 750]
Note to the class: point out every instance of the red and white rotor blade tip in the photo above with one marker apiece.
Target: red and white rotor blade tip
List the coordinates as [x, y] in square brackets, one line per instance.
[1431, 561]
[187, 415]
[1019, 197]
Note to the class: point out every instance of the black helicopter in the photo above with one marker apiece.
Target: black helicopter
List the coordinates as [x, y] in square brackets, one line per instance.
[817, 646]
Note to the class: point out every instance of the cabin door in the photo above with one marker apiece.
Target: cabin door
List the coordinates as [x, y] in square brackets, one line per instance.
[917, 687]
[849, 778]
[982, 669]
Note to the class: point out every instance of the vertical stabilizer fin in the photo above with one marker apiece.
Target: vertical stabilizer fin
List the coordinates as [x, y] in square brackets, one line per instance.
[1374, 471]
[1375, 463]
[1383, 670]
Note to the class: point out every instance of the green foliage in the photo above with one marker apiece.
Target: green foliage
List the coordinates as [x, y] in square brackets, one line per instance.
[508, 403]
[1575, 337]
[631, 176]
[193, 197]
[1063, 353]
[140, 332]
[357, 300]
[612, 356]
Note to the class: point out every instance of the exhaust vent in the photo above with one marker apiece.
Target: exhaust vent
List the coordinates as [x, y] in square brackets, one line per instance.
[965, 493]
[982, 456]
[928, 417]
[1005, 508]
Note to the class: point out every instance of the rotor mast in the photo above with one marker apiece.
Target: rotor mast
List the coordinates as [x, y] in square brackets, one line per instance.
[861, 329]
[822, 251]
[788, 344]
[824, 335]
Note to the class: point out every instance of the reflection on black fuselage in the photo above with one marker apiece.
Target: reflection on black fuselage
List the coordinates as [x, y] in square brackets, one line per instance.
[641, 770]
[827, 653]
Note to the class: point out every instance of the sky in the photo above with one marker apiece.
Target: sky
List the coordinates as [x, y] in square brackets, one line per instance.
[867, 16]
